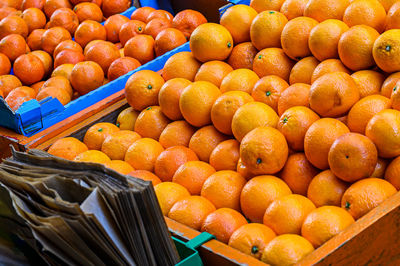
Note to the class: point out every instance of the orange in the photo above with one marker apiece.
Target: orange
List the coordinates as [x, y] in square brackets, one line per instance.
[239, 80]
[13, 24]
[146, 176]
[355, 47]
[328, 66]
[46, 60]
[187, 20]
[159, 14]
[177, 133]
[204, 141]
[5, 64]
[141, 89]
[389, 84]
[34, 39]
[151, 122]
[295, 34]
[103, 53]
[287, 249]
[223, 189]
[16, 98]
[213, 71]
[365, 12]
[168, 194]
[261, 5]
[293, 8]
[52, 37]
[387, 4]
[111, 7]
[369, 82]
[117, 143]
[34, 18]
[192, 175]
[352, 157]
[92, 156]
[196, 102]
[392, 17]
[26, 90]
[127, 118]
[242, 56]
[88, 11]
[52, 5]
[298, 173]
[119, 166]
[382, 129]
[325, 222]
[142, 13]
[169, 95]
[251, 239]
[122, 66]
[366, 194]
[259, 193]
[250, 116]
[113, 25]
[143, 153]
[155, 26]
[171, 159]
[333, 94]
[67, 45]
[63, 96]
[67, 148]
[392, 173]
[6, 11]
[267, 21]
[37, 86]
[96, 134]
[89, 30]
[225, 107]
[206, 48]
[324, 39]
[191, 211]
[140, 47]
[380, 168]
[243, 170]
[364, 110]
[321, 10]
[395, 97]
[64, 70]
[168, 40]
[286, 214]
[8, 83]
[326, 189]
[302, 71]
[63, 17]
[86, 76]
[130, 29]
[295, 95]
[222, 223]
[225, 155]
[237, 20]
[385, 51]
[13, 46]
[68, 57]
[272, 61]
[181, 65]
[28, 68]
[268, 90]
[319, 138]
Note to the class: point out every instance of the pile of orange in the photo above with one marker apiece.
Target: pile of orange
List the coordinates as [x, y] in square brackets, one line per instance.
[36, 42]
[275, 133]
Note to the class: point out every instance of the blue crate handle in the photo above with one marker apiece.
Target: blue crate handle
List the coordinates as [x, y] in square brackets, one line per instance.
[199, 240]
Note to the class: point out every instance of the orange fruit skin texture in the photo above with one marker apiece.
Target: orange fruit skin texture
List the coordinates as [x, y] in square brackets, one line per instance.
[325, 222]
[366, 194]
[151, 122]
[251, 239]
[328, 66]
[286, 249]
[119, 166]
[272, 61]
[303, 70]
[222, 223]
[168, 194]
[259, 193]
[370, 13]
[352, 157]
[67, 148]
[386, 51]
[145, 175]
[96, 134]
[286, 214]
[116, 144]
[191, 211]
[321, 10]
[269, 90]
[239, 80]
[92, 156]
[369, 82]
[225, 155]
[143, 153]
[326, 189]
[392, 173]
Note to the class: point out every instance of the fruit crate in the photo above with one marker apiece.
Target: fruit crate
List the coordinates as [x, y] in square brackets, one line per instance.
[373, 239]
[33, 116]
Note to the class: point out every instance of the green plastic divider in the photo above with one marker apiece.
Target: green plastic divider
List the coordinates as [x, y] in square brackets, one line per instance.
[187, 251]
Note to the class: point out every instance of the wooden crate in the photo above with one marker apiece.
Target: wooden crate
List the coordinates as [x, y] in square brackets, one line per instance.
[374, 239]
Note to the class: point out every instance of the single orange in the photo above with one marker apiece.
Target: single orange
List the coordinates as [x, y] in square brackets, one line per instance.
[303, 70]
[321, 10]
[262, 5]
[127, 118]
[28, 68]
[89, 30]
[213, 71]
[392, 17]
[242, 56]
[113, 26]
[159, 14]
[130, 29]
[380, 169]
[52, 5]
[47, 61]
[64, 17]
[140, 47]
[268, 90]
[369, 82]
[204, 141]
[168, 40]
[225, 155]
[103, 53]
[239, 80]
[272, 61]
[142, 13]
[181, 65]
[64, 70]
[119, 166]
[5, 64]
[168, 194]
[293, 8]
[68, 57]
[169, 95]
[122, 66]
[112, 7]
[295, 95]
[9, 83]
[13, 46]
[16, 98]
[13, 24]
[155, 26]
[96, 134]
[34, 18]
[92, 156]
[328, 66]
[52, 37]
[365, 12]
[177, 133]
[143, 153]
[389, 84]
[187, 21]
[117, 143]
[88, 11]
[63, 96]
[86, 76]
[34, 40]
[385, 51]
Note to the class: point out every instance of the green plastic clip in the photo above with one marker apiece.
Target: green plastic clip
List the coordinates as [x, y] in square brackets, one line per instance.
[199, 240]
